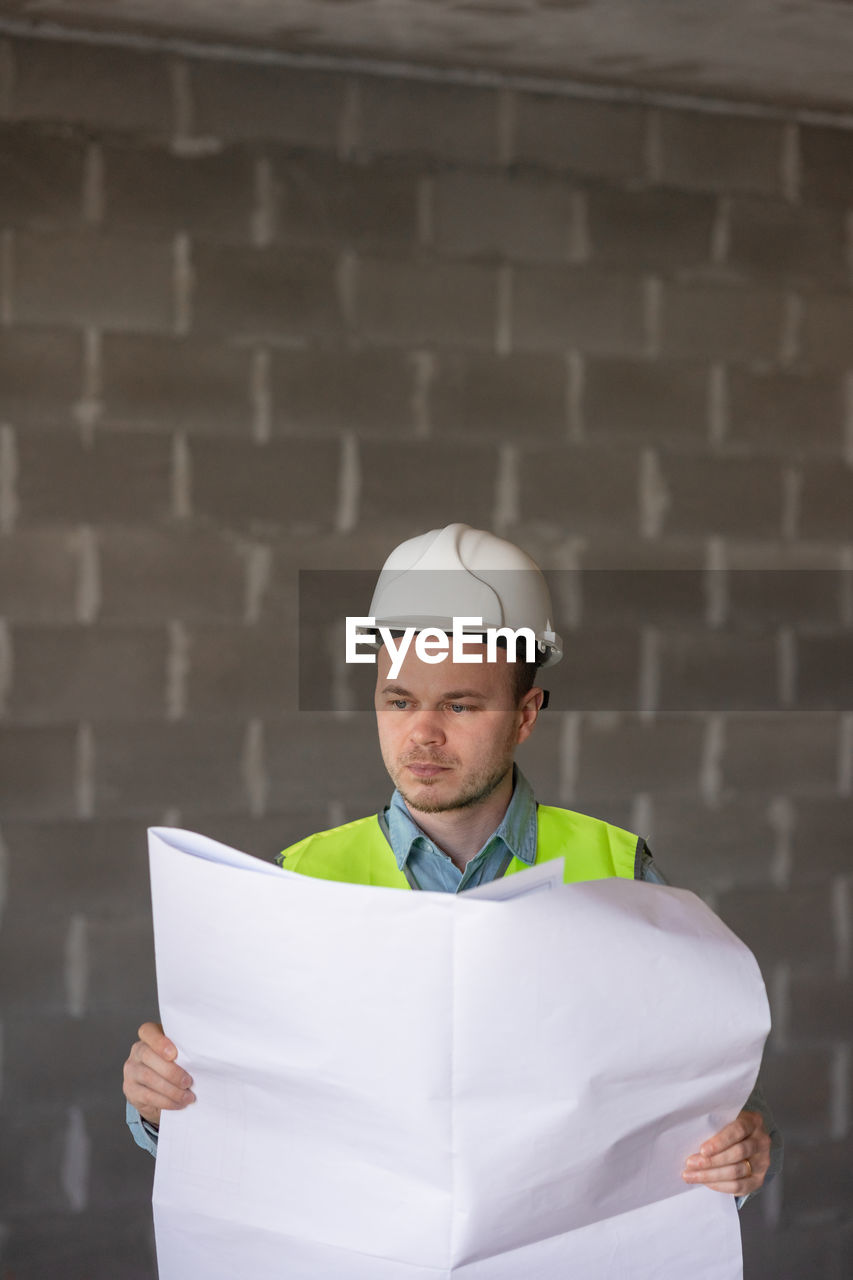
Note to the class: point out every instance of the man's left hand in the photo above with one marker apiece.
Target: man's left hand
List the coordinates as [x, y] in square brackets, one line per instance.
[735, 1161]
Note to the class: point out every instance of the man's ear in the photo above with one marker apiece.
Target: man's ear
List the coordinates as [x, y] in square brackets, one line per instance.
[529, 708]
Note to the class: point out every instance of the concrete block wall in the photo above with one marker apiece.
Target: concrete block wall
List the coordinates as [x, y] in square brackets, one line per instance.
[256, 318]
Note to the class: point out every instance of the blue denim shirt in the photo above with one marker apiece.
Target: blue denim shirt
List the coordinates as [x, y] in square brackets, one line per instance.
[428, 868]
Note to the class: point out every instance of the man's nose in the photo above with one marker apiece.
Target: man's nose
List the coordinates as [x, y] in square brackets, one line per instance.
[426, 727]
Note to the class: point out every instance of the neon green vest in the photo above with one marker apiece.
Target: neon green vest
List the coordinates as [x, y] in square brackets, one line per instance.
[359, 852]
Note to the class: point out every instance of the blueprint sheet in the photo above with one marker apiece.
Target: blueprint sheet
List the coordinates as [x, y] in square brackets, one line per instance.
[418, 1086]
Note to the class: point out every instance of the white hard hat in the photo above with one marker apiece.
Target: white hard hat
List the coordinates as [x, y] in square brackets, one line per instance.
[460, 572]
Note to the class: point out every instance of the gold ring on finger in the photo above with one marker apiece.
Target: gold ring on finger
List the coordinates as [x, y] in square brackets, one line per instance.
[749, 1166]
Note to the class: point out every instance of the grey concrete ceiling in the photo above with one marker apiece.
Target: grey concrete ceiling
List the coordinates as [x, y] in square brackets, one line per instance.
[779, 51]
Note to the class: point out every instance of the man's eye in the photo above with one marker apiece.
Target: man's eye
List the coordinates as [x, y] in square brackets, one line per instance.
[400, 704]
[460, 706]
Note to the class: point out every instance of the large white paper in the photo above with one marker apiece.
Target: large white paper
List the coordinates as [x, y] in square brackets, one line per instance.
[414, 1086]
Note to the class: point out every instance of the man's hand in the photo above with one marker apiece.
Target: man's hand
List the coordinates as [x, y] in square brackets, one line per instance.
[153, 1081]
[735, 1160]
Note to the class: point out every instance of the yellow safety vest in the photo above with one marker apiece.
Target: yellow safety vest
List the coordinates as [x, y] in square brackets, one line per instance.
[359, 852]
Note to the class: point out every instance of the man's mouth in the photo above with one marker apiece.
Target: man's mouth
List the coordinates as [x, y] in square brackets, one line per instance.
[426, 770]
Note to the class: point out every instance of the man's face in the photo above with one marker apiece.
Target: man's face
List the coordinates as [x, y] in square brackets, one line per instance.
[448, 731]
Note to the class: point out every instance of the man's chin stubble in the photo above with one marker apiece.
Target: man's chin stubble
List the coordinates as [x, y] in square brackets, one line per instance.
[458, 802]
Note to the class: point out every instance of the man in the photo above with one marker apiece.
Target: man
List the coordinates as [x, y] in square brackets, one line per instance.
[462, 813]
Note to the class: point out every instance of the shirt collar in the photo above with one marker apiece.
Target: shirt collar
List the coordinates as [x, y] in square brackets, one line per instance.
[517, 828]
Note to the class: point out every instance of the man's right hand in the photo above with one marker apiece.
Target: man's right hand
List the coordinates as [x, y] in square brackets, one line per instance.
[153, 1081]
